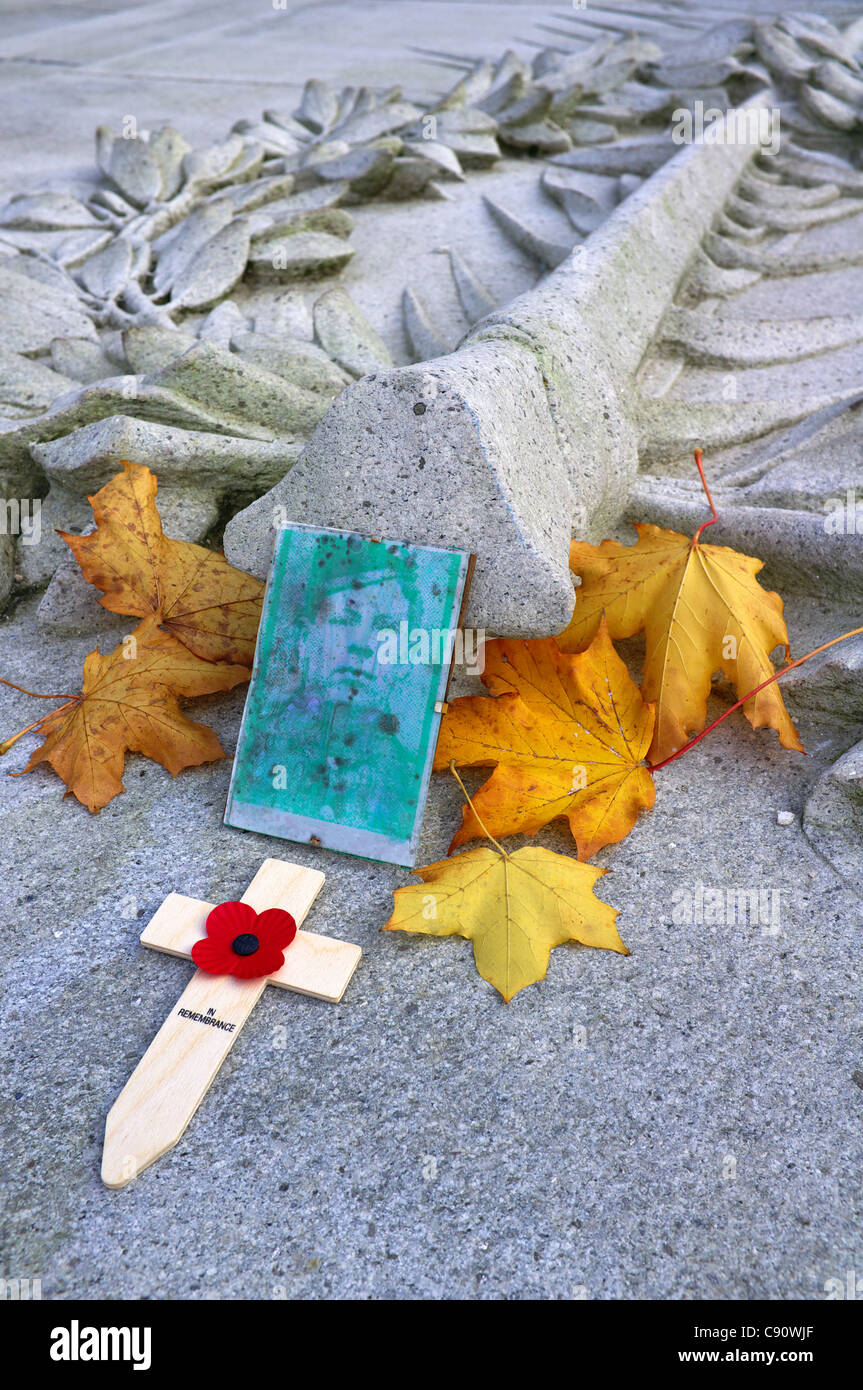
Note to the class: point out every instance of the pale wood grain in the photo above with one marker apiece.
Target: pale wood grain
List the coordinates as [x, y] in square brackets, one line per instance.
[316, 965]
[170, 1081]
[167, 1086]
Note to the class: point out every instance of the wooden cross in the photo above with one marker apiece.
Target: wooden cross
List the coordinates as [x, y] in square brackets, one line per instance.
[152, 1111]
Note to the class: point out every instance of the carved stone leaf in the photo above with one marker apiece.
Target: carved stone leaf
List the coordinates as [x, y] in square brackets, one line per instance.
[420, 331]
[816, 33]
[287, 123]
[80, 360]
[46, 212]
[583, 191]
[148, 346]
[286, 210]
[150, 399]
[319, 107]
[347, 336]
[321, 153]
[336, 221]
[222, 381]
[31, 315]
[273, 139]
[31, 386]
[366, 170]
[438, 154]
[222, 323]
[135, 170]
[109, 198]
[189, 461]
[348, 99]
[371, 125]
[169, 149]
[178, 248]
[836, 79]
[642, 157]
[215, 269]
[781, 54]
[829, 110]
[245, 169]
[104, 146]
[105, 274]
[44, 273]
[731, 36]
[466, 121]
[303, 363]
[548, 253]
[516, 103]
[80, 246]
[470, 89]
[210, 163]
[473, 150]
[300, 254]
[410, 177]
[545, 136]
[247, 196]
[476, 301]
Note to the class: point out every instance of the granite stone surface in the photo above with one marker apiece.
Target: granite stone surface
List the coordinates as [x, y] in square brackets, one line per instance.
[680, 1123]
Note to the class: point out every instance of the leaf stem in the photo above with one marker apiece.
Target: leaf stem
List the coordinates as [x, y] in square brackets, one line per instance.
[10, 742]
[855, 632]
[35, 695]
[699, 463]
[70, 700]
[485, 830]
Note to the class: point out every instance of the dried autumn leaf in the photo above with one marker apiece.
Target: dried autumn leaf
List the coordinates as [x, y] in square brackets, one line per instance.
[209, 606]
[514, 908]
[702, 610]
[129, 704]
[566, 735]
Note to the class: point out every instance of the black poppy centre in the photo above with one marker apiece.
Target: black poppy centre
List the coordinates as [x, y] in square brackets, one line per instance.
[246, 944]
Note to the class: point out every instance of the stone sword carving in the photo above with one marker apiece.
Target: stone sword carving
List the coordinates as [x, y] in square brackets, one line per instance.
[126, 292]
[129, 330]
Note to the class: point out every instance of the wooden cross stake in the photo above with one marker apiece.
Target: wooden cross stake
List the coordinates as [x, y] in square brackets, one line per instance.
[152, 1111]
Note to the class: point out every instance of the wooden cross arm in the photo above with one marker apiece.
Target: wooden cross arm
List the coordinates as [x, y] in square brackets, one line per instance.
[316, 965]
[172, 1078]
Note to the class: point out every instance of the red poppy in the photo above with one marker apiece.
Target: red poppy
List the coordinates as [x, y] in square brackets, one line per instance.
[243, 942]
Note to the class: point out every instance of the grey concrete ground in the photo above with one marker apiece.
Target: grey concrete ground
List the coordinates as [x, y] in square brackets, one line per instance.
[680, 1123]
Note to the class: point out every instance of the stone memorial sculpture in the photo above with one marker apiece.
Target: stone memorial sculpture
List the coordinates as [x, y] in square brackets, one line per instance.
[684, 212]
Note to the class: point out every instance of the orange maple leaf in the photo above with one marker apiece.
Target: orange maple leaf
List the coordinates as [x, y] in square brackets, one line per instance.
[128, 703]
[566, 735]
[701, 609]
[209, 606]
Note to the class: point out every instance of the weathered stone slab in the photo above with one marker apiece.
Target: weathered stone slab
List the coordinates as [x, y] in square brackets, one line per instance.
[84, 460]
[833, 818]
[31, 315]
[28, 386]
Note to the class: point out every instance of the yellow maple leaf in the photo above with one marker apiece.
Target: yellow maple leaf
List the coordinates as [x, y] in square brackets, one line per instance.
[701, 609]
[128, 703]
[567, 736]
[212, 608]
[515, 908]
